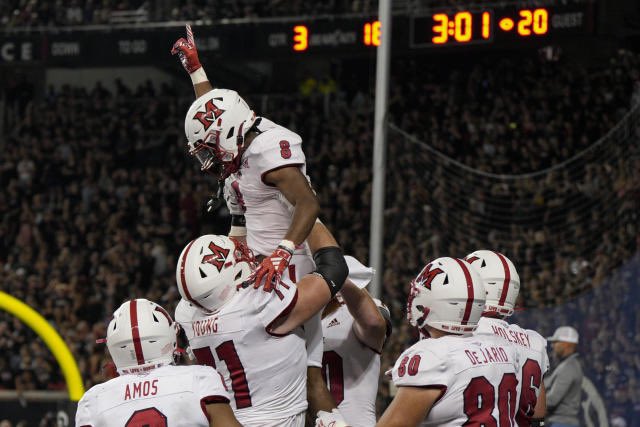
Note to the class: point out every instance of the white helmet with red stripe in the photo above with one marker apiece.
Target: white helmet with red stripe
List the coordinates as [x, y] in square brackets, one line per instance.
[447, 295]
[500, 280]
[141, 336]
[210, 270]
[215, 126]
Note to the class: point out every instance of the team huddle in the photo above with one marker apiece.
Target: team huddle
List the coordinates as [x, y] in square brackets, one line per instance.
[275, 327]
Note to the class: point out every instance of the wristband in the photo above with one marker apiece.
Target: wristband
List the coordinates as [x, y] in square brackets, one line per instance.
[288, 245]
[238, 220]
[199, 76]
[537, 422]
[237, 231]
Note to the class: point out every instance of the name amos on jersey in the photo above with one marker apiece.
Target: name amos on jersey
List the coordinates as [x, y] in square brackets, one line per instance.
[140, 389]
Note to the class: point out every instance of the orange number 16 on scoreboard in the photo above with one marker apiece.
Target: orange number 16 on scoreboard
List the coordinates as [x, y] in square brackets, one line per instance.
[372, 33]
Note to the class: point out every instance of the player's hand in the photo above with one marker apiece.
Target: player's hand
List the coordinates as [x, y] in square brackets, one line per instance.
[272, 267]
[330, 419]
[187, 52]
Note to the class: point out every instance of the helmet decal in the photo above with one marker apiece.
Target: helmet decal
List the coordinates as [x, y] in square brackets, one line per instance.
[135, 332]
[426, 277]
[207, 117]
[217, 258]
[507, 278]
[470, 293]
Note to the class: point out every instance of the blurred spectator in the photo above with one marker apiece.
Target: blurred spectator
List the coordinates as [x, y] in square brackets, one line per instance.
[564, 384]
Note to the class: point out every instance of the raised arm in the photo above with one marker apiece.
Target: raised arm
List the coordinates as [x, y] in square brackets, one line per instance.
[188, 54]
[369, 325]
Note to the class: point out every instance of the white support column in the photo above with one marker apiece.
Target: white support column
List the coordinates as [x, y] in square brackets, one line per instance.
[376, 241]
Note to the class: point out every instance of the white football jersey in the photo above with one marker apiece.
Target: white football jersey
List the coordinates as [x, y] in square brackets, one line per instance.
[169, 395]
[477, 379]
[350, 369]
[268, 214]
[534, 361]
[264, 372]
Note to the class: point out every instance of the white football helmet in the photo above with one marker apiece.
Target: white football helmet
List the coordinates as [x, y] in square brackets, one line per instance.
[141, 336]
[215, 125]
[447, 295]
[210, 270]
[500, 280]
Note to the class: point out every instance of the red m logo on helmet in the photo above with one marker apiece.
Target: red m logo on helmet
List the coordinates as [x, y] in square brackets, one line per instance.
[426, 276]
[217, 258]
[208, 116]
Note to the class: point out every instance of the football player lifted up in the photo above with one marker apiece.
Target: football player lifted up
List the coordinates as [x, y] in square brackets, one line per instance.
[253, 336]
[264, 166]
[502, 284]
[450, 377]
[151, 390]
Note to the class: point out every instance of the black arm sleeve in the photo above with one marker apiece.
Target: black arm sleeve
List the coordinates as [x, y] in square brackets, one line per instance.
[330, 264]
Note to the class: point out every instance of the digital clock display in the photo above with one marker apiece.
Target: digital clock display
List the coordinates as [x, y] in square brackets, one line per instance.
[480, 26]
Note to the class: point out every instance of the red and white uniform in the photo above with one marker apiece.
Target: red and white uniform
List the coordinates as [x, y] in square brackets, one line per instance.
[350, 368]
[268, 214]
[477, 379]
[268, 218]
[176, 395]
[265, 373]
[534, 361]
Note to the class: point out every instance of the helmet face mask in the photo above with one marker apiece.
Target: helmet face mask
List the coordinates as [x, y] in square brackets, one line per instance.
[213, 159]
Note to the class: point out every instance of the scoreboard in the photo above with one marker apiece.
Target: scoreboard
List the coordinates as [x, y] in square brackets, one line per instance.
[490, 26]
[480, 27]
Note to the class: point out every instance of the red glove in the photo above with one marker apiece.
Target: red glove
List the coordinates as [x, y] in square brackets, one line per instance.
[273, 266]
[187, 52]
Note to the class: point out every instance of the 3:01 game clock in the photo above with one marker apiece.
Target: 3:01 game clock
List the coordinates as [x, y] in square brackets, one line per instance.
[479, 26]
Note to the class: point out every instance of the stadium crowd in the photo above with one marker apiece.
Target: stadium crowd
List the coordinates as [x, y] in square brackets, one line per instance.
[96, 204]
[42, 13]
[35, 13]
